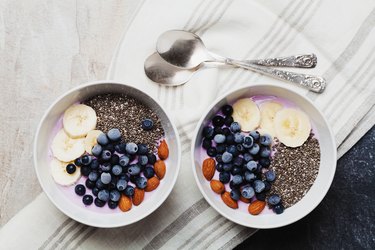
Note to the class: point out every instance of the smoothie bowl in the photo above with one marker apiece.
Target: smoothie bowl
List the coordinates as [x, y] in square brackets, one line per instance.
[106, 154]
[263, 156]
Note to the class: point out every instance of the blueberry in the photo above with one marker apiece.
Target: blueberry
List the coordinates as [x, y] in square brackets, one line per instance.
[278, 209]
[236, 170]
[142, 149]
[228, 120]
[133, 178]
[259, 169]
[237, 179]
[110, 147]
[219, 158]
[267, 186]
[227, 110]
[87, 199]
[254, 150]
[80, 189]
[112, 204]
[151, 158]
[235, 127]
[218, 121]
[106, 155]
[85, 170]
[230, 139]
[94, 164]
[114, 195]
[233, 186]
[121, 184]
[220, 148]
[274, 199]
[219, 167]
[207, 143]
[86, 160]
[252, 166]
[218, 130]
[103, 195]
[116, 170]
[249, 177]
[211, 152]
[129, 191]
[93, 176]
[95, 191]
[224, 177]
[255, 134]
[226, 131]
[238, 138]
[124, 160]
[131, 148]
[143, 160]
[248, 141]
[149, 172]
[233, 150]
[208, 132]
[261, 196]
[219, 138]
[238, 161]
[141, 182]
[70, 168]
[90, 184]
[134, 169]
[235, 194]
[265, 140]
[114, 134]
[147, 124]
[270, 175]
[240, 148]
[265, 162]
[259, 186]
[102, 139]
[96, 150]
[78, 162]
[265, 152]
[105, 178]
[124, 176]
[227, 157]
[112, 184]
[99, 184]
[115, 159]
[247, 192]
[247, 157]
[227, 167]
[99, 203]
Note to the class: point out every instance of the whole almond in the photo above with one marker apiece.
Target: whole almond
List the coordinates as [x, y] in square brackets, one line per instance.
[245, 200]
[152, 184]
[217, 186]
[208, 168]
[160, 169]
[228, 200]
[125, 203]
[139, 195]
[256, 207]
[163, 150]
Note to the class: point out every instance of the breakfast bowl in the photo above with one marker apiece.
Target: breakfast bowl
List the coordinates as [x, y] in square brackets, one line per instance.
[130, 138]
[263, 156]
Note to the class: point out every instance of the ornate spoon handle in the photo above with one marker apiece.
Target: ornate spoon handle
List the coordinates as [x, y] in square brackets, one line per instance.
[297, 61]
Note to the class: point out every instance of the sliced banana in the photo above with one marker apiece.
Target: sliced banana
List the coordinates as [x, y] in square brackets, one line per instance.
[90, 140]
[246, 113]
[78, 120]
[67, 149]
[268, 111]
[292, 127]
[59, 174]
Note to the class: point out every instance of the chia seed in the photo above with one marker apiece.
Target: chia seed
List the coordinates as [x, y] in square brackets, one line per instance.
[296, 170]
[126, 113]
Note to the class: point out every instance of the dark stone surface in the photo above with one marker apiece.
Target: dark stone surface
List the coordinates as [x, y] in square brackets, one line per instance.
[346, 217]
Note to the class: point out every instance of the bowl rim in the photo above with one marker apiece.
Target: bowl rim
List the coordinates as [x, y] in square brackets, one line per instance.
[200, 186]
[115, 223]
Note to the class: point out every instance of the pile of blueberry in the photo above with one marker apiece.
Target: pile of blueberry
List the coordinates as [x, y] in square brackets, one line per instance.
[242, 159]
[111, 169]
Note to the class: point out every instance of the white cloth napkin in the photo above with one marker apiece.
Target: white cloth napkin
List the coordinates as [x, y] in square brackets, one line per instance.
[342, 35]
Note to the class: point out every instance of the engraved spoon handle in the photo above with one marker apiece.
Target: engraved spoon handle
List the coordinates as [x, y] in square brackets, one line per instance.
[296, 61]
[313, 83]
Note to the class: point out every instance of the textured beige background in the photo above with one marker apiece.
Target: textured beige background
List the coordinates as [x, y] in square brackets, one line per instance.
[46, 48]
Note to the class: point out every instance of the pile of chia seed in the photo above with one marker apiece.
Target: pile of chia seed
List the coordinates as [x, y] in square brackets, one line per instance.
[126, 113]
[296, 170]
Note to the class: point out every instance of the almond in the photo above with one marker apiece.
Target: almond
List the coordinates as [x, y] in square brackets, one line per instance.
[256, 207]
[208, 168]
[125, 203]
[228, 200]
[138, 196]
[152, 184]
[244, 200]
[217, 186]
[163, 150]
[160, 169]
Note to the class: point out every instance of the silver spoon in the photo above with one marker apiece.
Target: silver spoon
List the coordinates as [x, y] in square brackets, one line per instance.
[186, 50]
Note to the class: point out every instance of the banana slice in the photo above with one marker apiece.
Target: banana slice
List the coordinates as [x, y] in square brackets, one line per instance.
[90, 140]
[292, 127]
[59, 174]
[268, 111]
[78, 120]
[65, 148]
[246, 113]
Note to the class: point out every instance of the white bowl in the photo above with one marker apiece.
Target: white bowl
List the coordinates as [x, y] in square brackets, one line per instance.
[66, 205]
[317, 191]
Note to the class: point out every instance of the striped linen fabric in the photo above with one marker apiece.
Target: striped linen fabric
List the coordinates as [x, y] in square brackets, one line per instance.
[342, 35]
